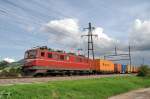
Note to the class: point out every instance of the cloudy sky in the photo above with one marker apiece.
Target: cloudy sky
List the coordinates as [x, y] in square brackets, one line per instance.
[59, 24]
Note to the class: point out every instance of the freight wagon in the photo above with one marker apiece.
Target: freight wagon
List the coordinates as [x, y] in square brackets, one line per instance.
[124, 67]
[128, 69]
[117, 68]
[131, 69]
[135, 69]
[104, 66]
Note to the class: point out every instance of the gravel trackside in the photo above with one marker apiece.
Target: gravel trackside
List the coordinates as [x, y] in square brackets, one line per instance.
[47, 79]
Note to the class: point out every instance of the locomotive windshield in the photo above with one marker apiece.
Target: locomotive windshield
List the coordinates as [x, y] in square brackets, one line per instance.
[30, 54]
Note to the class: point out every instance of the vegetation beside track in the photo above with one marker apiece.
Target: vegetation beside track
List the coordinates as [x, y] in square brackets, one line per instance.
[10, 69]
[144, 71]
[99, 88]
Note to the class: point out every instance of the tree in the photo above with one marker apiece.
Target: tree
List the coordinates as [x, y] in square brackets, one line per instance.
[3, 64]
[144, 70]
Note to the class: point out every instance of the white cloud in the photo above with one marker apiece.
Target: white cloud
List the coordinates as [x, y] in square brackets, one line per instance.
[140, 33]
[67, 32]
[103, 41]
[9, 60]
[64, 26]
[101, 35]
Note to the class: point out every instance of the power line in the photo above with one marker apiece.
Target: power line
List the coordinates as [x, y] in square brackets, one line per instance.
[124, 56]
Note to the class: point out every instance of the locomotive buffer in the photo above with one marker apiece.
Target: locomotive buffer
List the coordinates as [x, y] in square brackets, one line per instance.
[90, 40]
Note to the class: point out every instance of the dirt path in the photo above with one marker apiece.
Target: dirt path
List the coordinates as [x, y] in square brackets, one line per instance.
[136, 94]
[47, 79]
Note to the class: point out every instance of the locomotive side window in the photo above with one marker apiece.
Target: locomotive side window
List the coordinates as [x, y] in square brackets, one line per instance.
[26, 55]
[31, 54]
[42, 54]
[62, 57]
[50, 55]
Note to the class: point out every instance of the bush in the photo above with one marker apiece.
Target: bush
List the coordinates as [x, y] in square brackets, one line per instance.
[144, 71]
[3, 64]
[12, 72]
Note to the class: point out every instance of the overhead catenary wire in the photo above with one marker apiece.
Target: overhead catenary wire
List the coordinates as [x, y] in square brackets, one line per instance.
[123, 56]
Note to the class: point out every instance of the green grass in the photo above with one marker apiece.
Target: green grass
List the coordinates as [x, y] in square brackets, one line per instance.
[77, 89]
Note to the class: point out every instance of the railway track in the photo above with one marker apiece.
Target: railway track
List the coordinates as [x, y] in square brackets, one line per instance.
[28, 80]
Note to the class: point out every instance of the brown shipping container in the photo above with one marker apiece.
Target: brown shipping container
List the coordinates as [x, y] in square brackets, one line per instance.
[104, 66]
[117, 68]
[134, 69]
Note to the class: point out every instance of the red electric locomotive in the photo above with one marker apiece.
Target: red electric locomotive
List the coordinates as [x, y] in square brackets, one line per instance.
[42, 60]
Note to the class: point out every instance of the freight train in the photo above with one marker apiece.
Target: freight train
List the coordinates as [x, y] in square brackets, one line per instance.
[42, 60]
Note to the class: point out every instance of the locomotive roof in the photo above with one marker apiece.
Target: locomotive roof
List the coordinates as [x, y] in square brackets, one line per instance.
[52, 50]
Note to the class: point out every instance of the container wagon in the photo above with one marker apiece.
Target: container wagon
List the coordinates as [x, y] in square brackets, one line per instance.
[128, 69]
[104, 66]
[131, 69]
[135, 69]
[123, 71]
[117, 68]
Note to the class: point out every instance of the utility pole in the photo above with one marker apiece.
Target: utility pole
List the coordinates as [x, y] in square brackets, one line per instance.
[143, 61]
[130, 56]
[104, 57]
[90, 40]
[115, 50]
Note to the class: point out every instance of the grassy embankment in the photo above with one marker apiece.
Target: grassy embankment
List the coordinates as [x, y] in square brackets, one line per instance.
[79, 89]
